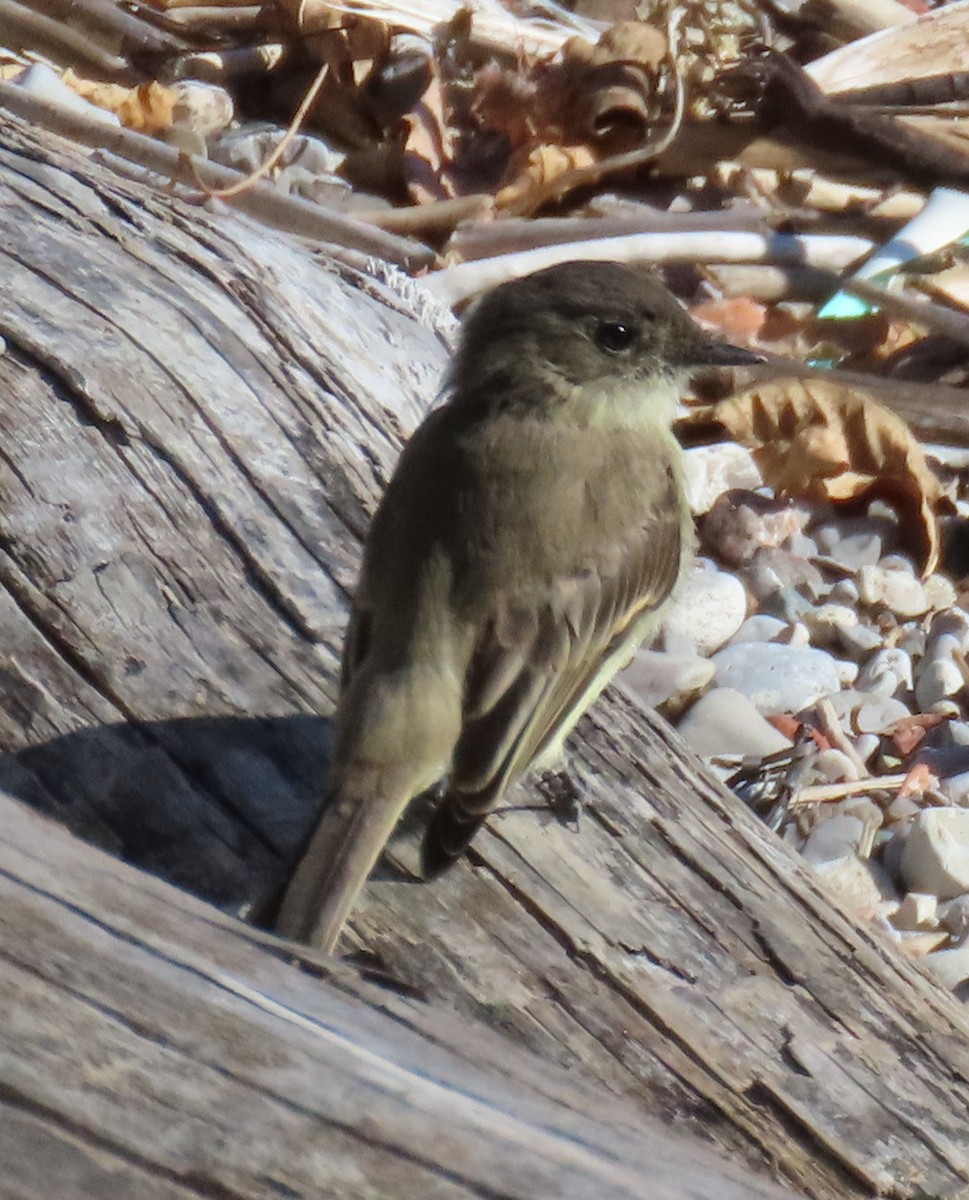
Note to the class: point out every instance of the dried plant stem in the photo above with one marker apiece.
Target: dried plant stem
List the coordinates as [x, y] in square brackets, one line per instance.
[236, 189]
[819, 793]
[831, 728]
[830, 251]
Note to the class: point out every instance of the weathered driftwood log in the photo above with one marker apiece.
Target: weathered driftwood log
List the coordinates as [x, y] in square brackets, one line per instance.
[152, 1049]
[197, 416]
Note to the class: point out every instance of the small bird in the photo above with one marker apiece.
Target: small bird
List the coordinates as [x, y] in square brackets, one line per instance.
[530, 538]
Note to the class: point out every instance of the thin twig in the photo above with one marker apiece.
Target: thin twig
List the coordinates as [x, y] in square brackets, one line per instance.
[830, 251]
[819, 793]
[831, 728]
[267, 164]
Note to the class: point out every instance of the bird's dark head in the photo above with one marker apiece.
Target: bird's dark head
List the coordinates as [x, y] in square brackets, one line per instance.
[585, 323]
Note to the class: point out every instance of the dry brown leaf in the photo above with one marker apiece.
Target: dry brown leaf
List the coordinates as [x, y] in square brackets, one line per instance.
[822, 440]
[588, 102]
[544, 165]
[147, 108]
[428, 153]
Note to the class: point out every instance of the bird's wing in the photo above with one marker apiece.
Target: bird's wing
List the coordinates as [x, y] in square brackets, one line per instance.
[538, 659]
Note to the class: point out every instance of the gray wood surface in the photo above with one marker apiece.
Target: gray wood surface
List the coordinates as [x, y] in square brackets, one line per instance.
[151, 1048]
[197, 417]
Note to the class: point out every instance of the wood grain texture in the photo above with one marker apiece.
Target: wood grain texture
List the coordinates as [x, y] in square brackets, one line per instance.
[197, 417]
[151, 1047]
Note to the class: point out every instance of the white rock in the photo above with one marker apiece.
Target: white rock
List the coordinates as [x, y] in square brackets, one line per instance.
[725, 722]
[876, 715]
[204, 108]
[656, 676]
[832, 766]
[712, 470]
[939, 592]
[847, 672]
[865, 745]
[709, 609]
[950, 967]
[859, 640]
[844, 591]
[954, 916]
[838, 837]
[827, 620]
[956, 788]
[885, 672]
[918, 910]
[936, 854]
[938, 679]
[953, 621]
[777, 678]
[759, 628]
[797, 634]
[895, 589]
[859, 885]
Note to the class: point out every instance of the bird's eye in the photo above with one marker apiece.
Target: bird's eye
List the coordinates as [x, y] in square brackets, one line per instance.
[614, 336]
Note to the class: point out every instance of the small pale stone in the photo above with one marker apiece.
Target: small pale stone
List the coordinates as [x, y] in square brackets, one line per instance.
[859, 640]
[853, 550]
[709, 609]
[917, 943]
[713, 470]
[956, 788]
[939, 592]
[725, 722]
[827, 620]
[954, 916]
[774, 570]
[833, 766]
[938, 679]
[902, 808]
[796, 634]
[895, 589]
[657, 677]
[844, 591]
[950, 967]
[886, 672]
[936, 855]
[912, 640]
[878, 714]
[203, 108]
[865, 745]
[847, 671]
[859, 885]
[918, 910]
[759, 628]
[802, 545]
[953, 621]
[776, 678]
[740, 523]
[838, 837]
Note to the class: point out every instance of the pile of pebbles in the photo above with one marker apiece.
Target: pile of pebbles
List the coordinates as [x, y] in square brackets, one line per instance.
[811, 667]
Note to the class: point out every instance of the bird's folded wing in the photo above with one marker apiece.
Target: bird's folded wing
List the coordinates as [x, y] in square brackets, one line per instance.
[539, 656]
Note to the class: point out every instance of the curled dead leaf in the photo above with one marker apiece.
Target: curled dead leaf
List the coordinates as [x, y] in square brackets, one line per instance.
[147, 108]
[541, 168]
[428, 152]
[824, 440]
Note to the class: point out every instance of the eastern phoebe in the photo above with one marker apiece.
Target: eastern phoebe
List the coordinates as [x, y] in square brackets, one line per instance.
[529, 541]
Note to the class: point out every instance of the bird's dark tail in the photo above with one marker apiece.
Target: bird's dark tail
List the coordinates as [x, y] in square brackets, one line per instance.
[449, 833]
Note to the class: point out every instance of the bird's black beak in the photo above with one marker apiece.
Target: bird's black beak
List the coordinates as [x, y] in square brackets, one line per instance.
[722, 354]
